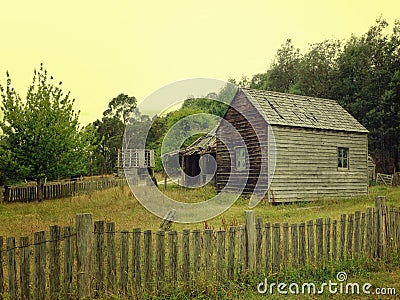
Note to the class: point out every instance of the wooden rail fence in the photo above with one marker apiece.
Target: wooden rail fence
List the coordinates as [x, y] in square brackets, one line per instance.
[93, 259]
[55, 190]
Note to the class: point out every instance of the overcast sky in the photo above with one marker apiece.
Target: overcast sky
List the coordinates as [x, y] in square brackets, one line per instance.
[99, 49]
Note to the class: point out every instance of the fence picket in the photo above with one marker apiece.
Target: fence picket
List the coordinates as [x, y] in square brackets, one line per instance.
[68, 261]
[334, 240]
[25, 267]
[295, 245]
[196, 240]
[327, 239]
[349, 236]
[148, 260]
[319, 239]
[220, 264]
[276, 245]
[302, 244]
[40, 265]
[136, 269]
[12, 268]
[310, 242]
[54, 262]
[208, 252]
[268, 247]
[98, 253]
[111, 257]
[231, 253]
[342, 236]
[362, 233]
[186, 256]
[123, 265]
[173, 256]
[258, 245]
[285, 245]
[160, 259]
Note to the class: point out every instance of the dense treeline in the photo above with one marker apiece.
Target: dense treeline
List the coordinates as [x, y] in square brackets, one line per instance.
[362, 73]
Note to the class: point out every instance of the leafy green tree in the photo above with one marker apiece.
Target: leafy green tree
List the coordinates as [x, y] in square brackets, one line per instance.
[121, 112]
[41, 134]
[282, 74]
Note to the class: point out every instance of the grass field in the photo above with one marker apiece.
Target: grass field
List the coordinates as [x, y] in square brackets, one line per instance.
[119, 205]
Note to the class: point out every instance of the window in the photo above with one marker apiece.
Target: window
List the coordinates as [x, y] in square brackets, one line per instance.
[343, 158]
[240, 154]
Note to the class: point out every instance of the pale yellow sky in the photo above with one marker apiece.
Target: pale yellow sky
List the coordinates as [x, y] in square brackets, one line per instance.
[102, 48]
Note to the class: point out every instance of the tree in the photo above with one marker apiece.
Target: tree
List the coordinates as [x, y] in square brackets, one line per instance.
[282, 74]
[120, 114]
[368, 86]
[121, 107]
[41, 135]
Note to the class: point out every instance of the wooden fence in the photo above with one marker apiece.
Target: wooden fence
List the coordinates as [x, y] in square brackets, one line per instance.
[93, 259]
[55, 190]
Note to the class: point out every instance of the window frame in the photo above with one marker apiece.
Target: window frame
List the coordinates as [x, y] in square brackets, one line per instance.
[343, 155]
[243, 158]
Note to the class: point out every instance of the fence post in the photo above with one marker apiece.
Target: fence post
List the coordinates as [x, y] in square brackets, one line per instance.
[54, 262]
[251, 239]
[25, 267]
[12, 268]
[84, 253]
[381, 226]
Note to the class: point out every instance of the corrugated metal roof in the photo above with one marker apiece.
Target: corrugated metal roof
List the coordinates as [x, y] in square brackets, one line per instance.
[302, 111]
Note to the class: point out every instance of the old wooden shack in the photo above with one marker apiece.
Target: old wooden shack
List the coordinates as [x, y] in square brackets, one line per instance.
[192, 162]
[318, 149]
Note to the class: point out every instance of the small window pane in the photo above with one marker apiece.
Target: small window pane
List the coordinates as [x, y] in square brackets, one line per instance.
[343, 158]
[240, 154]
